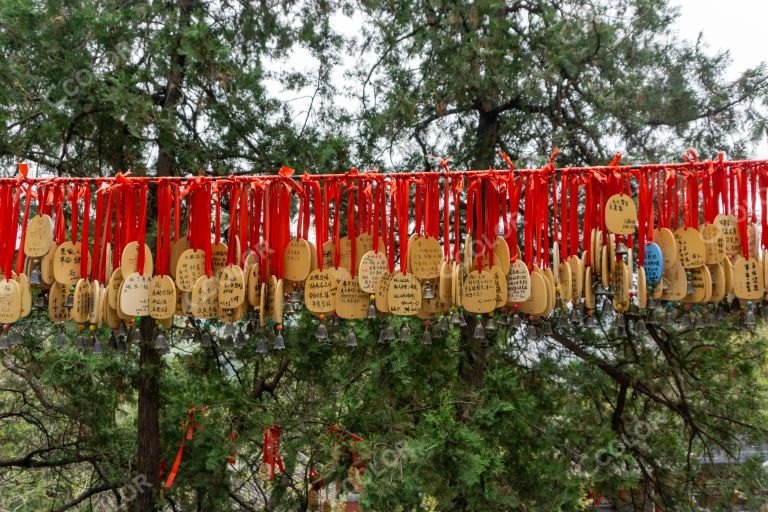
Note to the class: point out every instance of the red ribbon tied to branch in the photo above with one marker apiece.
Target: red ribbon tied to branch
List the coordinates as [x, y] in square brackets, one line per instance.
[188, 427]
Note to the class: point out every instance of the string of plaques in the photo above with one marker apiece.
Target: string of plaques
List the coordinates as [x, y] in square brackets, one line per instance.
[510, 248]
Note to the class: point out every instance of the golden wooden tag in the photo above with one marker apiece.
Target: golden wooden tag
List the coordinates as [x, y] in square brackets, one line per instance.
[351, 301]
[593, 252]
[729, 228]
[537, 302]
[565, 280]
[718, 282]
[577, 277]
[340, 273]
[312, 257]
[589, 291]
[518, 282]
[500, 284]
[457, 282]
[620, 214]
[205, 297]
[691, 250]
[752, 240]
[66, 263]
[218, 256]
[676, 281]
[707, 284]
[665, 239]
[39, 237]
[345, 252]
[329, 249]
[57, 302]
[748, 279]
[444, 287]
[469, 253]
[113, 287]
[94, 302]
[81, 302]
[46, 265]
[699, 283]
[254, 285]
[605, 267]
[382, 292]
[26, 295]
[134, 295]
[190, 268]
[372, 266]
[404, 294]
[727, 275]
[276, 302]
[177, 249]
[320, 292]
[714, 243]
[130, 257]
[501, 251]
[642, 291]
[297, 260]
[231, 287]
[424, 257]
[102, 317]
[599, 244]
[162, 298]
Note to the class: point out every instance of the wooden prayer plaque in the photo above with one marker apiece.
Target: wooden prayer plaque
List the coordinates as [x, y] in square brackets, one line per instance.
[351, 301]
[345, 252]
[620, 285]
[320, 292]
[668, 245]
[372, 266]
[57, 302]
[162, 298]
[113, 287]
[718, 282]
[94, 306]
[25, 294]
[297, 260]
[654, 263]
[130, 257]
[66, 263]
[404, 294]
[177, 249]
[748, 279]
[276, 302]
[231, 287]
[190, 268]
[134, 295]
[537, 302]
[699, 283]
[500, 284]
[81, 307]
[691, 250]
[621, 214]
[254, 285]
[728, 275]
[10, 301]
[219, 253]
[425, 255]
[518, 282]
[205, 297]
[729, 228]
[577, 277]
[642, 291]
[328, 252]
[677, 283]
[39, 236]
[501, 251]
[382, 292]
[457, 283]
[444, 290]
[589, 291]
[565, 279]
[46, 265]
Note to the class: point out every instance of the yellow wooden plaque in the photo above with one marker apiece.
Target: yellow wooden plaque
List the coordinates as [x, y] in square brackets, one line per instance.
[729, 228]
[714, 243]
[404, 294]
[691, 250]
[382, 292]
[190, 268]
[297, 260]
[620, 214]
[676, 281]
[518, 282]
[748, 279]
[205, 297]
[39, 236]
[177, 249]
[537, 302]
[425, 255]
[231, 287]
[66, 263]
[351, 301]
[320, 292]
[134, 295]
[130, 257]
[372, 266]
[162, 298]
[665, 239]
[81, 307]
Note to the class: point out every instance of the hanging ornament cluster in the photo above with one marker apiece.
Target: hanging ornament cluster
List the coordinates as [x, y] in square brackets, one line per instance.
[358, 245]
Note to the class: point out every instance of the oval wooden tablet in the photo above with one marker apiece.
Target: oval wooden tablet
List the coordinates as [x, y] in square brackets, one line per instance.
[642, 291]
[340, 273]
[10, 301]
[177, 249]
[729, 228]
[219, 253]
[134, 295]
[537, 302]
[231, 287]
[46, 266]
[698, 285]
[26, 295]
[620, 286]
[718, 282]
[404, 294]
[372, 266]
[752, 239]
[589, 290]
[677, 283]
[457, 283]
[564, 281]
[351, 301]
[691, 250]
[500, 285]
[425, 256]
[66, 263]
[94, 306]
[501, 251]
[620, 214]
[82, 299]
[39, 237]
[665, 239]
[714, 243]
[518, 282]
[329, 250]
[254, 286]
[727, 275]
[162, 298]
[654, 263]
[345, 253]
[113, 287]
[297, 260]
[130, 257]
[444, 283]
[205, 297]
[190, 268]
[748, 279]
[577, 277]
[320, 292]
[276, 300]
[382, 292]
[57, 302]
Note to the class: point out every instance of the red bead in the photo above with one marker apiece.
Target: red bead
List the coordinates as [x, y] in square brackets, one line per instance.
[279, 327]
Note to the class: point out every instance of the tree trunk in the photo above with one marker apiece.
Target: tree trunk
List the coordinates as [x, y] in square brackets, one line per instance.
[148, 459]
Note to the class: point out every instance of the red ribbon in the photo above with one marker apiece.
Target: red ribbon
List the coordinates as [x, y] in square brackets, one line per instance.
[188, 427]
[271, 449]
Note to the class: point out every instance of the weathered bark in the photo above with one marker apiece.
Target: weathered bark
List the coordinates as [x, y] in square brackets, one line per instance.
[148, 455]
